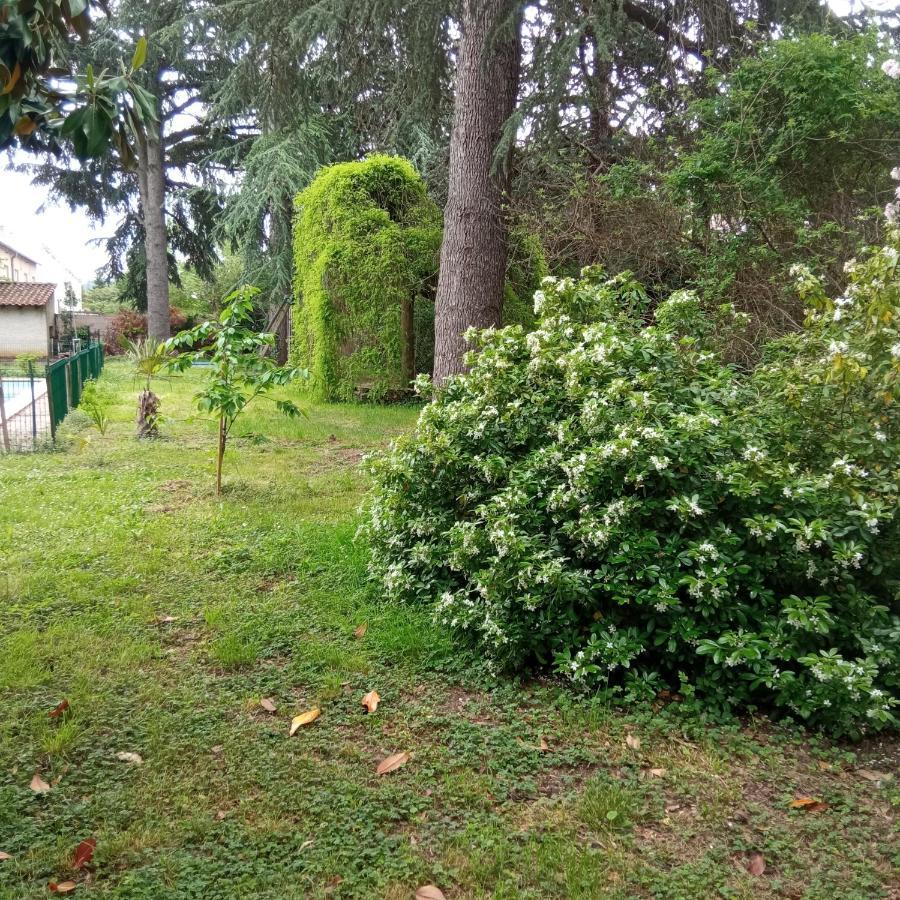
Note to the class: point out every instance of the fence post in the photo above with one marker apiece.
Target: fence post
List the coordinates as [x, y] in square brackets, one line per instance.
[33, 405]
[50, 404]
[3, 427]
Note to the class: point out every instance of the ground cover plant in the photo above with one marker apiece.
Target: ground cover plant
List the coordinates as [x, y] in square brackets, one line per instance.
[163, 616]
[613, 499]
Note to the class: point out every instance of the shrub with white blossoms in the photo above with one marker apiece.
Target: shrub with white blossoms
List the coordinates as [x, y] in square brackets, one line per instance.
[607, 497]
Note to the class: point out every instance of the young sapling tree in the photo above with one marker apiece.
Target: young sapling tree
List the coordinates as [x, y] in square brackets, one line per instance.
[148, 356]
[239, 370]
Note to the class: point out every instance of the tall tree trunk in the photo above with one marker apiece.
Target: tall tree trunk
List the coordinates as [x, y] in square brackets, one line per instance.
[474, 249]
[152, 184]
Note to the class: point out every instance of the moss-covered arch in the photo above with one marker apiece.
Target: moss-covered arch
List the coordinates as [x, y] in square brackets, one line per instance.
[366, 251]
[366, 244]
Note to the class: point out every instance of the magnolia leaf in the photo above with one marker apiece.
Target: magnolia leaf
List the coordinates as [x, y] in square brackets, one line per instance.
[13, 79]
[810, 804]
[304, 719]
[140, 54]
[38, 785]
[58, 710]
[127, 756]
[371, 700]
[84, 853]
[430, 892]
[268, 704]
[756, 864]
[361, 630]
[633, 742]
[61, 887]
[391, 763]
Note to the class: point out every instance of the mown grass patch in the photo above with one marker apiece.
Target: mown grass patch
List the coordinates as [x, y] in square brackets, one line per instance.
[164, 615]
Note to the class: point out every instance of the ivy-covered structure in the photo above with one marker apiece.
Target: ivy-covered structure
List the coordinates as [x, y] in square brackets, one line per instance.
[366, 245]
[366, 248]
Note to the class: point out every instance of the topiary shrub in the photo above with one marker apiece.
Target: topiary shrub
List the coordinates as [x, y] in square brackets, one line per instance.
[366, 248]
[366, 245]
[612, 500]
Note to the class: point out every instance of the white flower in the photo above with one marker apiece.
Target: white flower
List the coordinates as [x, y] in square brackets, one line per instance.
[891, 68]
[880, 435]
[754, 454]
[895, 173]
[895, 351]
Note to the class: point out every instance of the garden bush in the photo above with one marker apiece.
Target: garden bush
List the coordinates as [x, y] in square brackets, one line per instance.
[608, 498]
[129, 325]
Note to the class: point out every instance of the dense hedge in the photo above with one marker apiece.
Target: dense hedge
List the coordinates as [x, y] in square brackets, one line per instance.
[614, 501]
[367, 240]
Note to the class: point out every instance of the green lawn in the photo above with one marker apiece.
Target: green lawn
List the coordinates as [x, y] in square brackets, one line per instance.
[163, 615]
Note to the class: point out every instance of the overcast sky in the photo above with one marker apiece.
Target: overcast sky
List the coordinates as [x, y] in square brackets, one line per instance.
[71, 236]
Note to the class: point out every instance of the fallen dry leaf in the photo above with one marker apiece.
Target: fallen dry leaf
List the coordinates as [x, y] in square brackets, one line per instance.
[657, 773]
[543, 746]
[127, 756]
[4, 855]
[371, 701]
[164, 620]
[58, 710]
[304, 719]
[361, 630]
[220, 814]
[810, 804]
[84, 853]
[756, 864]
[268, 704]
[633, 741]
[217, 750]
[430, 892]
[62, 887]
[38, 785]
[871, 775]
[392, 762]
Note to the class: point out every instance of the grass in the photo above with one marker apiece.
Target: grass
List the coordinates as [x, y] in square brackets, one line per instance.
[163, 615]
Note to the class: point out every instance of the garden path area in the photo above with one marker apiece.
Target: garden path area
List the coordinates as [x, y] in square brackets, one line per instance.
[163, 616]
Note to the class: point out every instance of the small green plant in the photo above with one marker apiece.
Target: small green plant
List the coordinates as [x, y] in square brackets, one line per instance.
[148, 356]
[95, 403]
[233, 652]
[239, 370]
[607, 805]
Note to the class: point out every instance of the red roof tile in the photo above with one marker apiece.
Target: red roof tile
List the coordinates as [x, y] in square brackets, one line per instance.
[26, 293]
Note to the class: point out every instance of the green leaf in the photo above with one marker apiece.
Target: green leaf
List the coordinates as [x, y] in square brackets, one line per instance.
[140, 54]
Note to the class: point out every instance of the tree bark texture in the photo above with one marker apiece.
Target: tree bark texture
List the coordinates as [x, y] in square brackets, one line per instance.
[152, 184]
[474, 248]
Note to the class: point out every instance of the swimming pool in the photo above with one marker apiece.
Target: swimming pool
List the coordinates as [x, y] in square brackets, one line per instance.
[17, 388]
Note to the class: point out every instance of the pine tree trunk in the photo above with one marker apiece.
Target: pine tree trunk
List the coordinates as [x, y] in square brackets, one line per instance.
[152, 184]
[474, 249]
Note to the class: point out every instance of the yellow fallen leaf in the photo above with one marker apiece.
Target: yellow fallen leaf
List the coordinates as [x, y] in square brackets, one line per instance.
[38, 785]
[361, 630]
[304, 719]
[543, 746]
[430, 892]
[268, 704]
[810, 804]
[657, 773]
[633, 741]
[371, 701]
[62, 887]
[392, 762]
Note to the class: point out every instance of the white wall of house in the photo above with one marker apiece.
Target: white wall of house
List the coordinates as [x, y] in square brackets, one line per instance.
[15, 267]
[23, 329]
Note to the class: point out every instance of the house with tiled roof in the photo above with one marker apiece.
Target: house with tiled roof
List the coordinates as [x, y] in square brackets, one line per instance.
[26, 318]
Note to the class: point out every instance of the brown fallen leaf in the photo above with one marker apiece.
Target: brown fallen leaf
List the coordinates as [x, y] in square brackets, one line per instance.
[430, 892]
[633, 741]
[61, 887]
[38, 785]
[371, 701]
[4, 855]
[268, 704]
[84, 853]
[543, 746]
[756, 864]
[392, 762]
[217, 750]
[58, 710]
[304, 719]
[134, 759]
[657, 773]
[871, 775]
[164, 620]
[220, 814]
[360, 630]
[810, 804]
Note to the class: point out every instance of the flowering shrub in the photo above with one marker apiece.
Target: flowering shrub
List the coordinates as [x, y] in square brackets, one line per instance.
[609, 498]
[129, 325]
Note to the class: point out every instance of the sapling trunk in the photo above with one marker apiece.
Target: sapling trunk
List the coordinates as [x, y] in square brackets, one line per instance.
[220, 455]
[148, 414]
